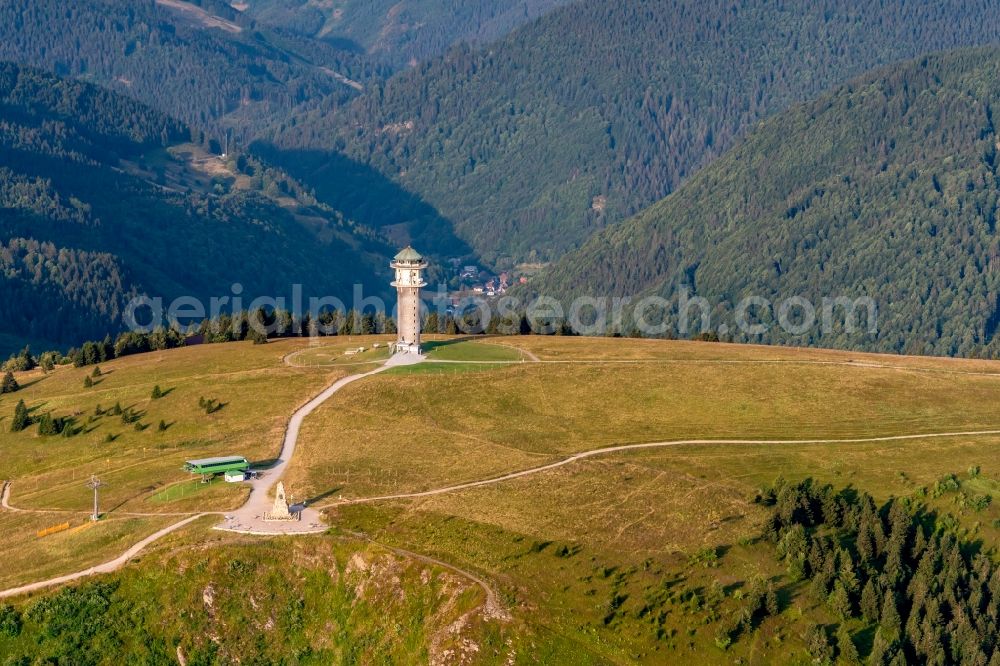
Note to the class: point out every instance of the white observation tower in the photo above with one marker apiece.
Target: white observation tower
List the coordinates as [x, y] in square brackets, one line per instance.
[408, 265]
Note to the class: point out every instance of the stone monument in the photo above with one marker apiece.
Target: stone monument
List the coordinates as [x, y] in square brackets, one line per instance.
[280, 509]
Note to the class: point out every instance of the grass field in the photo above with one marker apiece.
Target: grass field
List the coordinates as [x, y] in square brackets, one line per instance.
[27, 557]
[255, 389]
[618, 558]
[476, 351]
[392, 434]
[642, 515]
[141, 470]
[334, 352]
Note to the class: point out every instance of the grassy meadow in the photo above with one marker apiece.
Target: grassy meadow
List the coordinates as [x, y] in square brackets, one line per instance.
[603, 557]
[255, 392]
[28, 557]
[619, 558]
[409, 433]
[141, 469]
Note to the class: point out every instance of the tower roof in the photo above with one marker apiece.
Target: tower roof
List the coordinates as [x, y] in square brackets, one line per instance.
[409, 255]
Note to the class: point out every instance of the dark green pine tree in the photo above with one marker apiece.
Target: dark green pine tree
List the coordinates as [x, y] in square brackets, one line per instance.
[87, 382]
[870, 602]
[9, 384]
[22, 419]
[157, 392]
[865, 541]
[840, 601]
[846, 647]
[106, 349]
[847, 574]
[25, 360]
[771, 603]
[883, 650]
[818, 644]
[889, 620]
[47, 425]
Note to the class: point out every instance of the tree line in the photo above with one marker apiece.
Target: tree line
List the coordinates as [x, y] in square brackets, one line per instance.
[930, 596]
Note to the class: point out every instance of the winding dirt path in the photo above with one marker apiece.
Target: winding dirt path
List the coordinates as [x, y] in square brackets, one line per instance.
[647, 445]
[249, 518]
[492, 607]
[107, 567]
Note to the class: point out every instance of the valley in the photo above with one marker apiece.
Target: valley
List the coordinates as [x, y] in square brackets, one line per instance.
[73, 174]
[595, 111]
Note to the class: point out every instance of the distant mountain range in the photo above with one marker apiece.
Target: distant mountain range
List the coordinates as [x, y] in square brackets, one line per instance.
[203, 63]
[278, 141]
[238, 67]
[398, 33]
[598, 109]
[887, 187]
[103, 198]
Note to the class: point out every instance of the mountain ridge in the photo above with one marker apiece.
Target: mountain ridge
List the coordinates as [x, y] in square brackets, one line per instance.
[214, 78]
[593, 111]
[96, 184]
[886, 186]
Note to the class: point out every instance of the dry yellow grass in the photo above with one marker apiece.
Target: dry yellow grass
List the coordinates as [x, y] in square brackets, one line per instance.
[258, 391]
[684, 498]
[596, 348]
[141, 470]
[418, 431]
[28, 558]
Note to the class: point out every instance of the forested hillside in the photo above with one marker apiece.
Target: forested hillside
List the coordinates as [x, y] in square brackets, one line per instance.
[208, 66]
[394, 32]
[598, 109]
[888, 187]
[100, 199]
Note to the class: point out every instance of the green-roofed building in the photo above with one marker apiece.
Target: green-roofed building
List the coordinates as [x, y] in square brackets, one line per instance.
[209, 467]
